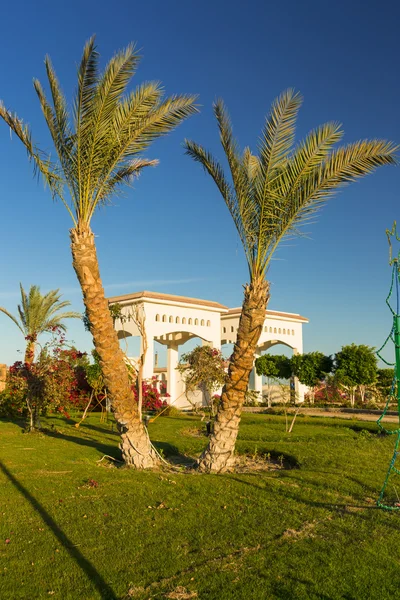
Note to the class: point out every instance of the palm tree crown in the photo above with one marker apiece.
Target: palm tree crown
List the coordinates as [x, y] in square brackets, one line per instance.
[99, 145]
[39, 313]
[271, 194]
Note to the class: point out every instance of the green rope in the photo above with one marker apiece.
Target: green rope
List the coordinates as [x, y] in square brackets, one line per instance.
[394, 337]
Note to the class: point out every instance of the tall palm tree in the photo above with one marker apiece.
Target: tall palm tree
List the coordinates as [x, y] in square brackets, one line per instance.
[99, 147]
[270, 195]
[38, 314]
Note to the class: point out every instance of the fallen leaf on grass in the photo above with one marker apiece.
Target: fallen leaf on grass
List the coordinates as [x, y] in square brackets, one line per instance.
[133, 592]
[304, 531]
[181, 593]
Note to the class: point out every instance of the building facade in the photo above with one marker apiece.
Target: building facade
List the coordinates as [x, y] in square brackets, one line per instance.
[173, 320]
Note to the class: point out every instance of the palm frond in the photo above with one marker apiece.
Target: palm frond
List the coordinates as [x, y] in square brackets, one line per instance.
[102, 145]
[341, 167]
[87, 81]
[109, 90]
[39, 313]
[271, 196]
[56, 321]
[161, 120]
[214, 168]
[277, 137]
[42, 162]
[13, 319]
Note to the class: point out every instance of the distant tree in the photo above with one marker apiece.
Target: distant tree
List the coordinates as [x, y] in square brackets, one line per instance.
[273, 367]
[39, 314]
[267, 365]
[203, 368]
[311, 368]
[384, 382]
[355, 368]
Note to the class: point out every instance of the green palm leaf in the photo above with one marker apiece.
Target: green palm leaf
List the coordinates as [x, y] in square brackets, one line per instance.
[39, 313]
[272, 195]
[101, 145]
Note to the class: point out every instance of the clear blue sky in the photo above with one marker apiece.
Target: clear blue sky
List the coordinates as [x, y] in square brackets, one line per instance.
[172, 233]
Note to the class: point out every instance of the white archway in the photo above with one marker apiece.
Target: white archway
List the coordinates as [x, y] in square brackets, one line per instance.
[173, 320]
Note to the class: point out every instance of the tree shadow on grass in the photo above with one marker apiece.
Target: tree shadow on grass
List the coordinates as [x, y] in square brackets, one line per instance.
[338, 506]
[22, 423]
[110, 450]
[170, 452]
[284, 589]
[103, 430]
[173, 455]
[104, 589]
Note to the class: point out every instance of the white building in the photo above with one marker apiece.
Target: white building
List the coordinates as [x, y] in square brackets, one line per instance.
[173, 320]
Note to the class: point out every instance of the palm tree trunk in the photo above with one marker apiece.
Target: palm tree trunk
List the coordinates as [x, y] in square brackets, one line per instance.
[30, 352]
[135, 444]
[219, 454]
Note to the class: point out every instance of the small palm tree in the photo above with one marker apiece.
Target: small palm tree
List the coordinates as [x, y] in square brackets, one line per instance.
[99, 148]
[270, 195]
[39, 314]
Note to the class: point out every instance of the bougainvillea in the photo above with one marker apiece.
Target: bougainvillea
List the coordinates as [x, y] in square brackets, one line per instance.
[154, 395]
[48, 384]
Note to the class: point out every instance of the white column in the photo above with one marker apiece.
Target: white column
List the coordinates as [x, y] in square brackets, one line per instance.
[172, 363]
[148, 366]
[299, 388]
[257, 379]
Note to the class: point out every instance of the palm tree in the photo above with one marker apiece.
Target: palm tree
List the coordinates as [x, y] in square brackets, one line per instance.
[270, 195]
[99, 147]
[39, 314]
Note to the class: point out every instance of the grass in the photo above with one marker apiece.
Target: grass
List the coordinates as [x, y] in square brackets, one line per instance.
[74, 528]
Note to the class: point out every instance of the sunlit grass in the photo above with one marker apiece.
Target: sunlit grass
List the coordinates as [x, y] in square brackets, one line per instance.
[74, 528]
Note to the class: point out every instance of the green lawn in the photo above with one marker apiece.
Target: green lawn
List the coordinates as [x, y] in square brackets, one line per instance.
[309, 531]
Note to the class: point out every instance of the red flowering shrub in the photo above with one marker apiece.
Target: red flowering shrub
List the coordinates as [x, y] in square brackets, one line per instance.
[328, 393]
[153, 396]
[49, 384]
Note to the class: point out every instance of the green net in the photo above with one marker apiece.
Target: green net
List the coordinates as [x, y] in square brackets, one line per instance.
[389, 498]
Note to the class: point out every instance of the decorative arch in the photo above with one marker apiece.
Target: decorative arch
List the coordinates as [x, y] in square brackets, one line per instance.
[122, 334]
[268, 344]
[180, 337]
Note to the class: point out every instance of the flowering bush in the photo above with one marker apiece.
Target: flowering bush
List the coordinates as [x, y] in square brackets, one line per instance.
[49, 384]
[203, 368]
[327, 392]
[8, 405]
[153, 397]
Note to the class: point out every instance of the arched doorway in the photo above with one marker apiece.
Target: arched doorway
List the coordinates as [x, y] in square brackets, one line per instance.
[277, 346]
